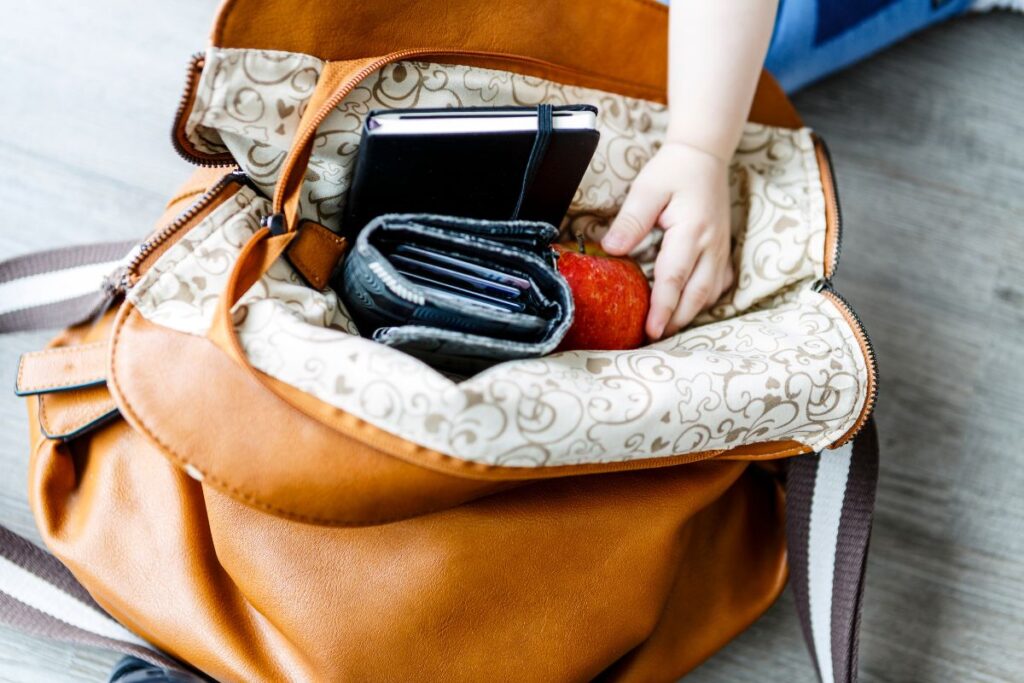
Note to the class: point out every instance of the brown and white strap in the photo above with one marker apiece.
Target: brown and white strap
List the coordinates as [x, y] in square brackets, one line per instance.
[830, 498]
[57, 288]
[39, 596]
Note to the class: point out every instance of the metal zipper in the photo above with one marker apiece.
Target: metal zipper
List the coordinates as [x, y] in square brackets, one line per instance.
[825, 289]
[328, 106]
[831, 191]
[128, 272]
[195, 68]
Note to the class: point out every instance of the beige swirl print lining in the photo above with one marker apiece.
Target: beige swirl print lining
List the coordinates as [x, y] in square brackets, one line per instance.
[773, 360]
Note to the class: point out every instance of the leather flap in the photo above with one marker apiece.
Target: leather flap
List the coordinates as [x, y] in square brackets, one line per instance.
[620, 46]
[619, 43]
[64, 368]
[278, 449]
[68, 414]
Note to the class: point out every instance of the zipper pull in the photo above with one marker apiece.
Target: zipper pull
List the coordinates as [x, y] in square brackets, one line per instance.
[112, 287]
[275, 223]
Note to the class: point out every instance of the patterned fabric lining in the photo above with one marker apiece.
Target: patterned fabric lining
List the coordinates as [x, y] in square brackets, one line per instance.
[773, 360]
[249, 102]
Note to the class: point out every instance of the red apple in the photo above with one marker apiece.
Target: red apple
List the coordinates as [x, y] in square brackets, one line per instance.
[611, 296]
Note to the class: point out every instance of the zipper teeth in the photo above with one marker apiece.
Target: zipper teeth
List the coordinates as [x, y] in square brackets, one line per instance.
[146, 248]
[334, 101]
[870, 358]
[833, 199]
[839, 300]
[195, 68]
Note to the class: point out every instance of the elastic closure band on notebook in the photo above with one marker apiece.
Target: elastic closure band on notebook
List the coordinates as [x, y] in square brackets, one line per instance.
[545, 125]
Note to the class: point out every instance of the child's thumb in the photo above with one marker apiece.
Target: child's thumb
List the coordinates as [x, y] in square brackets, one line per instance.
[638, 215]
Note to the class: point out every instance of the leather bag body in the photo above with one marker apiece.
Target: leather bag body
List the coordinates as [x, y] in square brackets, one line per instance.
[238, 522]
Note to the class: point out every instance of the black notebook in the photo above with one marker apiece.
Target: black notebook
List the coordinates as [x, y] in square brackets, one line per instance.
[493, 163]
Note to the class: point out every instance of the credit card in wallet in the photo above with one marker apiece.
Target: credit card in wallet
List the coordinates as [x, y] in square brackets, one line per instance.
[439, 258]
[459, 292]
[453, 277]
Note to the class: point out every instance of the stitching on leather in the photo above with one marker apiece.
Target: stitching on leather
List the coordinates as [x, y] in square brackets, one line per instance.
[65, 350]
[44, 423]
[325, 236]
[184, 195]
[653, 93]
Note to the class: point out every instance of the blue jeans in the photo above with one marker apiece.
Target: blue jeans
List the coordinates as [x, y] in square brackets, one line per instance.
[814, 38]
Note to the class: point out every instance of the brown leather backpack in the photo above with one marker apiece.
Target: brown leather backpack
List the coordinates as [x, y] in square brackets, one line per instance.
[251, 490]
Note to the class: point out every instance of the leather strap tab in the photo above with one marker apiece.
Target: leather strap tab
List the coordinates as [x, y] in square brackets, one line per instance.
[62, 369]
[315, 253]
[68, 414]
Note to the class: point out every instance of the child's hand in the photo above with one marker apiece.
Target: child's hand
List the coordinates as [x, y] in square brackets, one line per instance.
[685, 191]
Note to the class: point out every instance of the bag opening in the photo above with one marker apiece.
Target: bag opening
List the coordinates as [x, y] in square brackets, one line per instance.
[776, 359]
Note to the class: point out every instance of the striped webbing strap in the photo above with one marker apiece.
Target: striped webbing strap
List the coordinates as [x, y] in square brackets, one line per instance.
[39, 596]
[829, 500]
[57, 288]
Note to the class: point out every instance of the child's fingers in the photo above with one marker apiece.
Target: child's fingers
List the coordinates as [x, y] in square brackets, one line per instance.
[700, 291]
[639, 213]
[672, 269]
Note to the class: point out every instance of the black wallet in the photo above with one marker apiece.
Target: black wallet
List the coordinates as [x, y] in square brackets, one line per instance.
[391, 303]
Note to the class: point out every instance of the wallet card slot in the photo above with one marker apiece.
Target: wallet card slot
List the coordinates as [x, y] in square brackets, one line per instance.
[537, 303]
[392, 299]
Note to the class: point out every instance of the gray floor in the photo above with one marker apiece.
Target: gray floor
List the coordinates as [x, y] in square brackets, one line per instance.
[928, 140]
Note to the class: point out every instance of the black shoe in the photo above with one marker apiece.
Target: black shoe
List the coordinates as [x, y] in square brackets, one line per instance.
[134, 670]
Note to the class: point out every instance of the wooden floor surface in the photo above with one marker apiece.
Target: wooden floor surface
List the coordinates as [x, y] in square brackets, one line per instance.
[928, 141]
